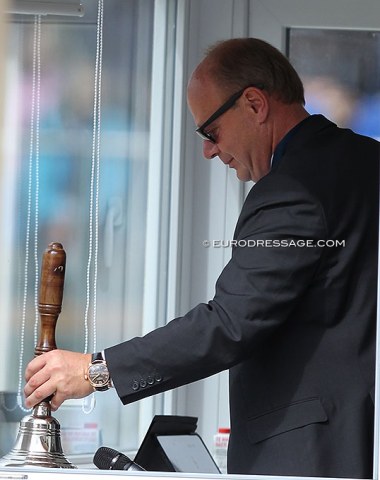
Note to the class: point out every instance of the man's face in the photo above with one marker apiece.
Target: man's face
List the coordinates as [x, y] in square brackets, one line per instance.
[238, 139]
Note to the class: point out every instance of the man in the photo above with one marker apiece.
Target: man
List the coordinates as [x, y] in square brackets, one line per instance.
[294, 313]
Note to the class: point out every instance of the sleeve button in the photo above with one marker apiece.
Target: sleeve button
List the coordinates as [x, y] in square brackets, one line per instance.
[135, 385]
[150, 380]
[158, 377]
[142, 383]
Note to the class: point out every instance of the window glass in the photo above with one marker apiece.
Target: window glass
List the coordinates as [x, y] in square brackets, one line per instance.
[68, 50]
[341, 73]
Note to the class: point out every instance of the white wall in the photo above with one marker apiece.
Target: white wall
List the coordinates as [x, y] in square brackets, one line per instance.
[212, 198]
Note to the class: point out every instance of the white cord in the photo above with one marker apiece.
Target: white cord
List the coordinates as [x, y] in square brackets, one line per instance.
[97, 189]
[94, 201]
[95, 173]
[33, 155]
[88, 405]
[37, 179]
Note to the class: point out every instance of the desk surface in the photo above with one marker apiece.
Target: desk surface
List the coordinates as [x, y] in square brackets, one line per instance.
[88, 473]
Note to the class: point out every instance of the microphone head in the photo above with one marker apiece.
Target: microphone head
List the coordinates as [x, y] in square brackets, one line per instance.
[107, 458]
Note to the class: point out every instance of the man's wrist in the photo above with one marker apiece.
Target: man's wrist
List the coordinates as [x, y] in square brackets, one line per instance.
[97, 373]
[104, 358]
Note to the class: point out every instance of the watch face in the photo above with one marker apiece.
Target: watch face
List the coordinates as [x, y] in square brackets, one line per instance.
[98, 374]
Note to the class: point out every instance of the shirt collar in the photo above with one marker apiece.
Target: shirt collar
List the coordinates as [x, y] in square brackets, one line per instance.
[281, 146]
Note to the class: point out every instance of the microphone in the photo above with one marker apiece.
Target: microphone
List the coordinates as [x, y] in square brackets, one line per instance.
[106, 458]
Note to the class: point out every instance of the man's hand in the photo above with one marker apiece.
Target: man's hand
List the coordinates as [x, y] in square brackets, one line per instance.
[60, 373]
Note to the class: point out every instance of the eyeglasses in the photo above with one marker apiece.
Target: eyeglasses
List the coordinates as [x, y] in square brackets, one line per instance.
[223, 109]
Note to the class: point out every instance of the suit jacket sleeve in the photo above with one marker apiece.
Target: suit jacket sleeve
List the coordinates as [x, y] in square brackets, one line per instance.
[254, 296]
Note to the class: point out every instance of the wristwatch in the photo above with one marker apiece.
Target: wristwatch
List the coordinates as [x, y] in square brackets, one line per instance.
[98, 374]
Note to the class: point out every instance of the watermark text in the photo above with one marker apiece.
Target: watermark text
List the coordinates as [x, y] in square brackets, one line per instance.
[274, 243]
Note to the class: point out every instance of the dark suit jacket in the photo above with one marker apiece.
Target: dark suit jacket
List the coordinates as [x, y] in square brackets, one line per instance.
[295, 324]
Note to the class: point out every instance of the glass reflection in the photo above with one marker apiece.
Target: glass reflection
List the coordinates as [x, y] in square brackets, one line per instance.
[341, 73]
[68, 48]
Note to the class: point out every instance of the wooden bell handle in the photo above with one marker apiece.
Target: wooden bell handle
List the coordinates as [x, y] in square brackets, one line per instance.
[50, 295]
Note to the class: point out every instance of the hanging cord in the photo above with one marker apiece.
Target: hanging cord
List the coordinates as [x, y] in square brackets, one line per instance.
[94, 202]
[37, 179]
[97, 189]
[94, 185]
[33, 165]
